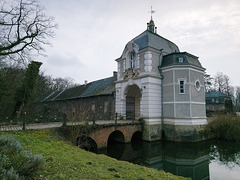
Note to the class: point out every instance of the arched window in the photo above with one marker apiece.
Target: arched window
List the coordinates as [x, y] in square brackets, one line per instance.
[133, 59]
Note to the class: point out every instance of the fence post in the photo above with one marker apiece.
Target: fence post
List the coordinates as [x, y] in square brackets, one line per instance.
[94, 119]
[116, 118]
[24, 121]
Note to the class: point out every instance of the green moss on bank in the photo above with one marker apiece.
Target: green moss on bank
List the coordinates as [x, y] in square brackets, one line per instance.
[64, 161]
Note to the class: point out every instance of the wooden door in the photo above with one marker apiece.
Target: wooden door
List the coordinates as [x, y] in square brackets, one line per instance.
[130, 107]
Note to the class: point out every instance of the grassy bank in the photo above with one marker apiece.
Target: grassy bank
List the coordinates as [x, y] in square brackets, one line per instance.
[64, 161]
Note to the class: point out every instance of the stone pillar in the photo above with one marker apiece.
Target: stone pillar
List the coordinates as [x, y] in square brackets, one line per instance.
[151, 108]
[120, 101]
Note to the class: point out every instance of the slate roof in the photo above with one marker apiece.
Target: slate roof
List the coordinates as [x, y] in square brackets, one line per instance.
[150, 39]
[215, 94]
[173, 59]
[215, 97]
[100, 87]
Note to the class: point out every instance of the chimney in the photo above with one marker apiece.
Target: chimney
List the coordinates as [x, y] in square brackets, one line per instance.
[114, 73]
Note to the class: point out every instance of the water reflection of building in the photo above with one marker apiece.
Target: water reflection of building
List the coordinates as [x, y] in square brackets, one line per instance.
[183, 159]
[188, 160]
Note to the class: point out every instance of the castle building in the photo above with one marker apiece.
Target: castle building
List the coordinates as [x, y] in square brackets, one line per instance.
[161, 85]
[155, 82]
[218, 102]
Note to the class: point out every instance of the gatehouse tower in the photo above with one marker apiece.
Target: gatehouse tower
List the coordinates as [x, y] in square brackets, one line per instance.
[161, 85]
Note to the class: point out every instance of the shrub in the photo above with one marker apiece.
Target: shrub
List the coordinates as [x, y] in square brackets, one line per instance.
[15, 162]
[224, 127]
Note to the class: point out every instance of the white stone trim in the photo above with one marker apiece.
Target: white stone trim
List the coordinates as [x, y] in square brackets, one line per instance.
[151, 80]
[141, 77]
[124, 65]
[184, 85]
[131, 46]
[172, 84]
[195, 85]
[190, 91]
[184, 102]
[174, 95]
[153, 121]
[138, 61]
[148, 61]
[191, 67]
[119, 70]
[186, 121]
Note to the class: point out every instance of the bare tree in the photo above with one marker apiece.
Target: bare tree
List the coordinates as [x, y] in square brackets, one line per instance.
[237, 98]
[63, 83]
[208, 82]
[218, 81]
[222, 83]
[24, 29]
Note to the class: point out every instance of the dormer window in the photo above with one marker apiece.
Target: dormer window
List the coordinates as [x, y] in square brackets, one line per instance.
[133, 58]
[180, 59]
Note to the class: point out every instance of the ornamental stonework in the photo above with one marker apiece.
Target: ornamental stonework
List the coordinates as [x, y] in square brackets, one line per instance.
[131, 73]
[148, 61]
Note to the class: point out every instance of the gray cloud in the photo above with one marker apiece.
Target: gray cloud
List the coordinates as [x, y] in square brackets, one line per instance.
[92, 34]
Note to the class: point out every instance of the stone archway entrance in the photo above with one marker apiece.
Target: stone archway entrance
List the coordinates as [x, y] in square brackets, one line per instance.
[133, 102]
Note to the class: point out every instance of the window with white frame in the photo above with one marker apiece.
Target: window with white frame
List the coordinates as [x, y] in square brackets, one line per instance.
[133, 58]
[197, 85]
[181, 86]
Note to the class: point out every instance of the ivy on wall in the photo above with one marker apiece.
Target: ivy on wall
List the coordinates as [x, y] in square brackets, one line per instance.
[25, 91]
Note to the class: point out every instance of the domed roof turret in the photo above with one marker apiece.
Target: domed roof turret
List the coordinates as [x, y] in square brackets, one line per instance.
[153, 40]
[181, 59]
[151, 26]
[150, 38]
[151, 22]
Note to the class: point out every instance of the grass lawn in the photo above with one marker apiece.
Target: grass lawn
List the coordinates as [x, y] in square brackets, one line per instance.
[65, 161]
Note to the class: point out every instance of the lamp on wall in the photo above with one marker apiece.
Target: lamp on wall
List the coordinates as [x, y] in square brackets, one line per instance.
[141, 90]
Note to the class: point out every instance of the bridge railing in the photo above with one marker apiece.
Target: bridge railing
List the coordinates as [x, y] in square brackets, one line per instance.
[26, 120]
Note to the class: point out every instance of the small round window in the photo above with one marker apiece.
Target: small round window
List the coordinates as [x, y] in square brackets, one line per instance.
[197, 85]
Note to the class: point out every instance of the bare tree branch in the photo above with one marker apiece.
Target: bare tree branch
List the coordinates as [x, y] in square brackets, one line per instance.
[222, 83]
[24, 29]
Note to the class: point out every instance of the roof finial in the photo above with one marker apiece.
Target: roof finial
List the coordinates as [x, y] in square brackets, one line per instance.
[152, 11]
[151, 25]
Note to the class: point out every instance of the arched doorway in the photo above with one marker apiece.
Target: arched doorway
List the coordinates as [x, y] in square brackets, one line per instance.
[133, 102]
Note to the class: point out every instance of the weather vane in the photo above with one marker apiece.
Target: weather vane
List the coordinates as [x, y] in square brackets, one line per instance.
[152, 11]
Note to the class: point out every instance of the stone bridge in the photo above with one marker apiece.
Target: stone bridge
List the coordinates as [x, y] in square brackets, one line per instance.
[121, 131]
[100, 138]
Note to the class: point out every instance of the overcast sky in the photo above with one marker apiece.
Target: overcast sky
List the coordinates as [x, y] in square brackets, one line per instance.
[93, 33]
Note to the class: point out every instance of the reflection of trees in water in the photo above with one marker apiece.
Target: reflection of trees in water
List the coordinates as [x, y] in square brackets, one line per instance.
[184, 159]
[225, 153]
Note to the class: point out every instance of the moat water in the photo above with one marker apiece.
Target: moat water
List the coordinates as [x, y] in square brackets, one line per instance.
[214, 160]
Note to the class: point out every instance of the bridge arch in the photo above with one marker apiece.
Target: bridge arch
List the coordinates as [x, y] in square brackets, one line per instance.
[136, 141]
[116, 136]
[87, 143]
[121, 133]
[136, 136]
